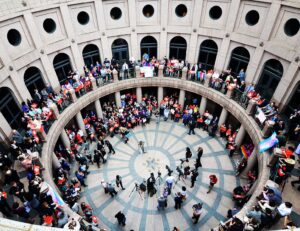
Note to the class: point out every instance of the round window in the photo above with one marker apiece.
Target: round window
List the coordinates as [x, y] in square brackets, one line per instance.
[49, 25]
[148, 11]
[252, 17]
[83, 18]
[115, 13]
[181, 10]
[215, 12]
[291, 27]
[14, 37]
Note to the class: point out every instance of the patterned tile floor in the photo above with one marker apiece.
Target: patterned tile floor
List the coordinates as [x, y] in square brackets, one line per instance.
[165, 144]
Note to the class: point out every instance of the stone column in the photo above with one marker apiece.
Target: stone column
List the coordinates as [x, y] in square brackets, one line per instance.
[137, 72]
[267, 128]
[182, 98]
[203, 105]
[139, 94]
[54, 109]
[98, 109]
[223, 117]
[207, 79]
[251, 107]
[115, 75]
[55, 162]
[65, 139]
[160, 94]
[184, 73]
[252, 160]
[240, 136]
[118, 99]
[80, 122]
[73, 95]
[161, 71]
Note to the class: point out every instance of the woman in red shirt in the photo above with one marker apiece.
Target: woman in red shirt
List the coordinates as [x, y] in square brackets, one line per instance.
[213, 180]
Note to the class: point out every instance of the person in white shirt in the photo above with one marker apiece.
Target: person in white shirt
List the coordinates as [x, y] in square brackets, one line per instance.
[169, 182]
[284, 209]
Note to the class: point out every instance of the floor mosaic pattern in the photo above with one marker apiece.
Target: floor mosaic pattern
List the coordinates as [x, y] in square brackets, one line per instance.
[165, 144]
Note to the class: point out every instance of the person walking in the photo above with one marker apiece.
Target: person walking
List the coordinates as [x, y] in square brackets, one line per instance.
[110, 147]
[121, 218]
[119, 182]
[197, 211]
[170, 182]
[178, 200]
[213, 180]
[194, 177]
[150, 185]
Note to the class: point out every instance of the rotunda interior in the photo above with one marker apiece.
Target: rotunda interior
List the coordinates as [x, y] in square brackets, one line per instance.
[149, 115]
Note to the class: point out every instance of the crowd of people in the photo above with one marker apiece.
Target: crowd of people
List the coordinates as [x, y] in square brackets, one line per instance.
[36, 201]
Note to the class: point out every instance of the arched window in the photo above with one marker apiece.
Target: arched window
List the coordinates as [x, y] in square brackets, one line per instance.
[91, 54]
[33, 79]
[294, 102]
[178, 48]
[207, 54]
[239, 60]
[119, 50]
[149, 46]
[62, 66]
[269, 78]
[9, 108]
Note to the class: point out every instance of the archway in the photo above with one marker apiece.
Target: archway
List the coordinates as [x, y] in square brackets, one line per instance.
[91, 55]
[240, 57]
[149, 46]
[33, 79]
[62, 66]
[119, 50]
[9, 108]
[207, 54]
[294, 103]
[269, 78]
[178, 47]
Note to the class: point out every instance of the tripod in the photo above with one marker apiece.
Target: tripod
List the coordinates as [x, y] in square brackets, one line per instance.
[136, 189]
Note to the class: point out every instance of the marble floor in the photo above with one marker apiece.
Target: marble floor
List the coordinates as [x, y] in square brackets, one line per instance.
[165, 144]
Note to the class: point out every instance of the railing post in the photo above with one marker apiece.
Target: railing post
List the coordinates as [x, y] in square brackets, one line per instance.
[54, 109]
[115, 75]
[161, 71]
[137, 72]
[73, 95]
[184, 73]
[251, 107]
[268, 128]
[93, 82]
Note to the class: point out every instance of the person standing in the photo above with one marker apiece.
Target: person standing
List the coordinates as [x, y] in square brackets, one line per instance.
[197, 211]
[178, 200]
[4, 207]
[192, 125]
[150, 185]
[119, 182]
[97, 157]
[121, 218]
[142, 146]
[110, 147]
[199, 155]
[162, 202]
[213, 180]
[188, 154]
[194, 177]
[111, 190]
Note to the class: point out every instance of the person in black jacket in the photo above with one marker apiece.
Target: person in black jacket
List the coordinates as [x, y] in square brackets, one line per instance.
[121, 218]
